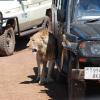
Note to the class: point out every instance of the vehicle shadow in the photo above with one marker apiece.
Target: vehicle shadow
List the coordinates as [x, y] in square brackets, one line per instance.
[93, 91]
[55, 90]
[21, 43]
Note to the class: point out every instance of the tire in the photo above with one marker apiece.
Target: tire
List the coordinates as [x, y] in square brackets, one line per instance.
[7, 42]
[76, 88]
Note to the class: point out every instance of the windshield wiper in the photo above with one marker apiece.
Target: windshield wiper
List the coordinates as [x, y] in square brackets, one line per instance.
[92, 20]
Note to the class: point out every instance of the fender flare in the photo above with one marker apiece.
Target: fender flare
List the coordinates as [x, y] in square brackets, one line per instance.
[8, 22]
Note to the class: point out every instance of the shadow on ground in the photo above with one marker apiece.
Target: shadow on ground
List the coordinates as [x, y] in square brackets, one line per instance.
[55, 90]
[32, 77]
[21, 43]
[93, 91]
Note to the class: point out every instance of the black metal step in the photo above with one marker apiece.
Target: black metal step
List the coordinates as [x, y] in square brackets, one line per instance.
[28, 32]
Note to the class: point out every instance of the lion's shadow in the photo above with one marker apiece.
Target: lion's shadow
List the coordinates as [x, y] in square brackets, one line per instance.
[32, 77]
[55, 90]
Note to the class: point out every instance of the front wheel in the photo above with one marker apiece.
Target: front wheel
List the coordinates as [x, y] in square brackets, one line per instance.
[7, 42]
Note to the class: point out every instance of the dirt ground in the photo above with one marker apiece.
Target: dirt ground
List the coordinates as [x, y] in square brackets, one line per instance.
[17, 78]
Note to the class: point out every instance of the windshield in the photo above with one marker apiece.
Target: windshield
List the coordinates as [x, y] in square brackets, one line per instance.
[88, 9]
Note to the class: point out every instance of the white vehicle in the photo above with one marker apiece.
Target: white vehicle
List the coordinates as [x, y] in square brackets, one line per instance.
[20, 17]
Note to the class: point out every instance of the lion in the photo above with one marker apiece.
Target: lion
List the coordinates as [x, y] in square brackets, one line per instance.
[44, 43]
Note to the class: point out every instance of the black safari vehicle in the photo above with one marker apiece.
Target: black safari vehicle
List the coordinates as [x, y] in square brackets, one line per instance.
[76, 25]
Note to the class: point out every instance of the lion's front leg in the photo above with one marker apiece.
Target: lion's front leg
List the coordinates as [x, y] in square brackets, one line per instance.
[38, 59]
[38, 75]
[43, 73]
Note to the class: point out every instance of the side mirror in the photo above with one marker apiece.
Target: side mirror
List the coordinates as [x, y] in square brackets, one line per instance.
[60, 15]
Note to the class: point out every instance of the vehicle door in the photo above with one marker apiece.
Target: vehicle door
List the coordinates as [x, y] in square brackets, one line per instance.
[36, 10]
[23, 15]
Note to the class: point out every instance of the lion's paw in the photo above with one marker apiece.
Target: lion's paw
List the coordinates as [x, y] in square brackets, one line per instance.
[42, 82]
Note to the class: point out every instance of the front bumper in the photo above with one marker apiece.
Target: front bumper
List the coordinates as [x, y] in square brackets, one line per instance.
[81, 74]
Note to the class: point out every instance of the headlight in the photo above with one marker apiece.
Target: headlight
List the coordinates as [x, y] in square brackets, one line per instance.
[90, 48]
[95, 49]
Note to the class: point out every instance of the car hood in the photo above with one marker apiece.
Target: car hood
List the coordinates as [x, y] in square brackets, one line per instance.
[86, 31]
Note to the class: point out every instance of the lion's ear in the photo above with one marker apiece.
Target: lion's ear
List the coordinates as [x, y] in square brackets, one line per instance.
[45, 32]
[27, 44]
[32, 38]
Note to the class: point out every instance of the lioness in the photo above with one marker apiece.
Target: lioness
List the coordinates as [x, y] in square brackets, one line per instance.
[44, 44]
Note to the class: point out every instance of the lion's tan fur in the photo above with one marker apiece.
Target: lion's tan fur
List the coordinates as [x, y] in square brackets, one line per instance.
[45, 44]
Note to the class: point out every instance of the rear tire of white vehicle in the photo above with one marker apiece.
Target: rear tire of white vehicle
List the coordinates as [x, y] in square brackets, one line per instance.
[7, 42]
